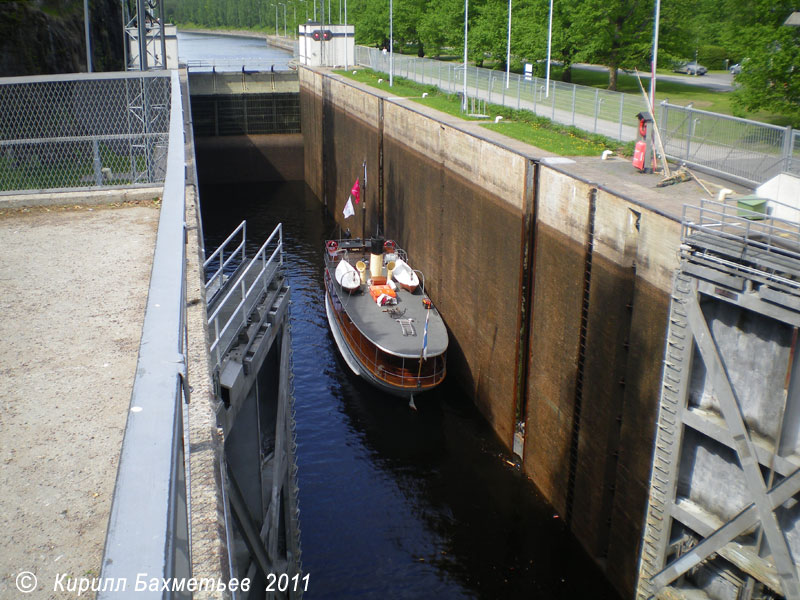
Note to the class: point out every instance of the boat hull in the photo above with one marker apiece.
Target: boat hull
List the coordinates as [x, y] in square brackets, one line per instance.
[406, 386]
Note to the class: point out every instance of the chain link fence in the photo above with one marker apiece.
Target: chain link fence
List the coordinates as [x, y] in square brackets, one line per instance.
[83, 131]
[607, 113]
[745, 151]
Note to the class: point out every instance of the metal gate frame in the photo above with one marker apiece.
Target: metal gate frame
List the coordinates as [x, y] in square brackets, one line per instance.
[739, 257]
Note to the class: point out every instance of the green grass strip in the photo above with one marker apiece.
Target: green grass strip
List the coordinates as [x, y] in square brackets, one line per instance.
[521, 125]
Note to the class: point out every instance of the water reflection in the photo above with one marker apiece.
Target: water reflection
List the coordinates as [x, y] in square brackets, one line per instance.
[396, 503]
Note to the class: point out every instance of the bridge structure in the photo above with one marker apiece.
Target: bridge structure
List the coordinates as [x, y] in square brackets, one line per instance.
[195, 477]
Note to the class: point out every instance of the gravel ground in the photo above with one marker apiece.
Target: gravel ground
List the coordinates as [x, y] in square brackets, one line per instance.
[73, 287]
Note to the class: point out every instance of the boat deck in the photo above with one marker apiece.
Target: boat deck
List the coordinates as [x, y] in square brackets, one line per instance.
[395, 329]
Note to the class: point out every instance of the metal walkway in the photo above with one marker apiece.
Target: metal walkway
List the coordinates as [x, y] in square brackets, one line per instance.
[722, 519]
[248, 316]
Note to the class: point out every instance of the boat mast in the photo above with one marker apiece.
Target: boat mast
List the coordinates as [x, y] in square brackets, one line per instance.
[364, 203]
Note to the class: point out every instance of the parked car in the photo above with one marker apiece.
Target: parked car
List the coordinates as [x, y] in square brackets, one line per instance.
[737, 68]
[691, 68]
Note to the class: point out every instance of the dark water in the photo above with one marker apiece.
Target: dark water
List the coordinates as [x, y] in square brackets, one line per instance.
[396, 503]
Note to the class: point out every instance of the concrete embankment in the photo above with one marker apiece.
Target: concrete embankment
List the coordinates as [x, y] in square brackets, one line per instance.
[553, 278]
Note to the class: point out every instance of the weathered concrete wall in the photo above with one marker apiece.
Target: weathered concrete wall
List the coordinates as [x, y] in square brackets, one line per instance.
[444, 194]
[204, 83]
[602, 274]
[599, 284]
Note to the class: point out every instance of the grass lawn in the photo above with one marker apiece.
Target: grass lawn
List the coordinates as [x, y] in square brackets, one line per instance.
[521, 125]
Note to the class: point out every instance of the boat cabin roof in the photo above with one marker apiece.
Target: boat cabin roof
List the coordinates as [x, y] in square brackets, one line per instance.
[397, 329]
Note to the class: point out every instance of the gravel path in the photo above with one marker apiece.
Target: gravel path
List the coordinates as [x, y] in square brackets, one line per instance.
[73, 287]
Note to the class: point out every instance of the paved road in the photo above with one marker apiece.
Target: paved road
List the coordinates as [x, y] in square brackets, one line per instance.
[721, 82]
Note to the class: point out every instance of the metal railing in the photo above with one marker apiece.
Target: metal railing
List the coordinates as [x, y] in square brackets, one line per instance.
[732, 235]
[245, 65]
[233, 311]
[100, 130]
[217, 267]
[612, 114]
[148, 528]
[742, 150]
[748, 151]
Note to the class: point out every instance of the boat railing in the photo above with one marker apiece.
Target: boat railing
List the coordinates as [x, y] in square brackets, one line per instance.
[408, 375]
[232, 313]
[218, 266]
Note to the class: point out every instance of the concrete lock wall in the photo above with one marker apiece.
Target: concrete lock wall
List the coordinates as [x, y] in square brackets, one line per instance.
[485, 223]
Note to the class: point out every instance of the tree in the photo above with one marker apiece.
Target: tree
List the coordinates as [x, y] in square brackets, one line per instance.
[489, 34]
[442, 25]
[770, 79]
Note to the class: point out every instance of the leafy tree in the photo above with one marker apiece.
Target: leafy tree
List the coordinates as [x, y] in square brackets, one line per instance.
[371, 21]
[442, 25]
[489, 34]
[770, 79]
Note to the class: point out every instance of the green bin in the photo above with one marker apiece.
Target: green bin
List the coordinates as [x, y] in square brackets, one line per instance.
[750, 205]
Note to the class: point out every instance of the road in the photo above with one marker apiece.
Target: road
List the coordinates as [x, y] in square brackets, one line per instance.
[720, 82]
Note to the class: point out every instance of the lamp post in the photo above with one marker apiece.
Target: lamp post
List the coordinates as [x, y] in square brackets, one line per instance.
[276, 20]
[549, 45]
[391, 44]
[655, 59]
[284, 18]
[345, 35]
[508, 48]
[86, 24]
[466, 15]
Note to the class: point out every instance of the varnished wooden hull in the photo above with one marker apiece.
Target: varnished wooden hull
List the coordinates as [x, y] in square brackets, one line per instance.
[398, 376]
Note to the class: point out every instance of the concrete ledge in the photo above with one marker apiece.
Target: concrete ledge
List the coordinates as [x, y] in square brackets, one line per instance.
[81, 198]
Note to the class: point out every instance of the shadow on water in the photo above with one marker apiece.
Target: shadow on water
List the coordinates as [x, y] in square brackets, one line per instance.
[396, 503]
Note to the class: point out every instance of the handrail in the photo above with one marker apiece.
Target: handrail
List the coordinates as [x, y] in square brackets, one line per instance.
[244, 296]
[729, 221]
[219, 254]
[148, 526]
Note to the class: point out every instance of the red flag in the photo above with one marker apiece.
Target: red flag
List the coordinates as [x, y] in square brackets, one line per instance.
[356, 191]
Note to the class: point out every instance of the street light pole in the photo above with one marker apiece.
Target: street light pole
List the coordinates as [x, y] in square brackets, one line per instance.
[466, 15]
[391, 44]
[508, 48]
[284, 18]
[655, 58]
[549, 45]
[276, 19]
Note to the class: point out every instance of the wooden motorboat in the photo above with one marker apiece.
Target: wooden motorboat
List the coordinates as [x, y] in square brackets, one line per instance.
[393, 338]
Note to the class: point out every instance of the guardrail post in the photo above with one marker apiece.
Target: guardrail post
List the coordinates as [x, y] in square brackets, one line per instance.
[596, 107]
[788, 138]
[574, 88]
[690, 131]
